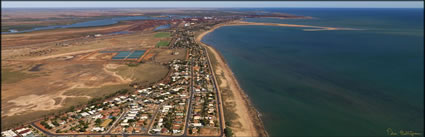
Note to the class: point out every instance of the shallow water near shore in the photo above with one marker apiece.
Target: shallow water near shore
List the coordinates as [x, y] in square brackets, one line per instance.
[331, 83]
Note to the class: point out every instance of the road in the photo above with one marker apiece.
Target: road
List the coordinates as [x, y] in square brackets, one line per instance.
[188, 114]
[217, 94]
[116, 121]
[153, 118]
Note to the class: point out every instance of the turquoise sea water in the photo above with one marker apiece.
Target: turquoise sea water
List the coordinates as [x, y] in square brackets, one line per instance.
[331, 83]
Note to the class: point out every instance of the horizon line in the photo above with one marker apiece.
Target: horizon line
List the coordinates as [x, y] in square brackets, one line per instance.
[217, 7]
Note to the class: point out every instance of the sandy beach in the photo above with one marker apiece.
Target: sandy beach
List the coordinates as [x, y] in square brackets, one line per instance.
[308, 27]
[247, 115]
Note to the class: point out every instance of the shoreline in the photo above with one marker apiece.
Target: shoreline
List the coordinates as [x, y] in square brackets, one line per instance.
[307, 27]
[246, 106]
[255, 126]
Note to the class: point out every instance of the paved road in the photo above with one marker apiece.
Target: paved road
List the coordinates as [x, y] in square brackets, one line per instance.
[153, 118]
[188, 114]
[116, 121]
[217, 94]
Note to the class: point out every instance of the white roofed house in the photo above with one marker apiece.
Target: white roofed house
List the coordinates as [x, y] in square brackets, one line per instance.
[176, 131]
[144, 116]
[196, 117]
[124, 124]
[84, 114]
[98, 129]
[197, 124]
[131, 114]
[97, 116]
[8, 133]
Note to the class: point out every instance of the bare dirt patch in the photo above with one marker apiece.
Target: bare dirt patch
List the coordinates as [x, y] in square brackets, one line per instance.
[167, 55]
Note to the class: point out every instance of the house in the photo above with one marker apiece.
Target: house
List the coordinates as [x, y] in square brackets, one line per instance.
[165, 110]
[131, 114]
[194, 130]
[164, 130]
[84, 114]
[156, 130]
[197, 124]
[25, 133]
[129, 117]
[144, 116]
[8, 133]
[211, 123]
[21, 130]
[175, 131]
[97, 116]
[98, 129]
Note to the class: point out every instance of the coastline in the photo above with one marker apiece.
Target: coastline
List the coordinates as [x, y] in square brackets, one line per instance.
[307, 27]
[248, 116]
[251, 123]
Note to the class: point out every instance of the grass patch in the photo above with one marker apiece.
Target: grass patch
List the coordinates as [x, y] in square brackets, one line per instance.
[162, 35]
[162, 43]
[9, 76]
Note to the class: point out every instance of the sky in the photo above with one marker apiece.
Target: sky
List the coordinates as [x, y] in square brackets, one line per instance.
[212, 4]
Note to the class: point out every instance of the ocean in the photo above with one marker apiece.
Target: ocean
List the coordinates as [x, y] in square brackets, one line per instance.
[331, 83]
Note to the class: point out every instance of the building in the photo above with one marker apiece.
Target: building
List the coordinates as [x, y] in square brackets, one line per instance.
[8, 133]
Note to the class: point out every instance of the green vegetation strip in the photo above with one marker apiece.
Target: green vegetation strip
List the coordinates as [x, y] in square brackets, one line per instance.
[162, 35]
[9, 76]
[162, 43]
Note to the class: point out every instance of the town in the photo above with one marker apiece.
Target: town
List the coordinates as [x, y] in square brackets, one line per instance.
[185, 103]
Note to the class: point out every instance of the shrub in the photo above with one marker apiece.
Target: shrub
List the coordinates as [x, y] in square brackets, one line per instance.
[228, 132]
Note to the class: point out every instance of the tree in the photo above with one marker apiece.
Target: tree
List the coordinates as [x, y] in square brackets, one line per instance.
[71, 109]
[64, 118]
[98, 121]
[228, 132]
[131, 120]
[228, 123]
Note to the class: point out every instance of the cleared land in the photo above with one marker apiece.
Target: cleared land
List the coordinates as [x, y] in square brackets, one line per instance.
[42, 75]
